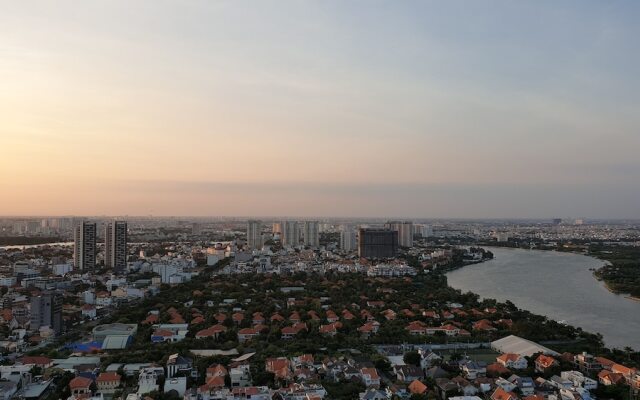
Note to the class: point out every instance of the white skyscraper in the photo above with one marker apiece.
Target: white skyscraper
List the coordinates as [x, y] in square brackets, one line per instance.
[428, 231]
[405, 232]
[115, 245]
[254, 234]
[290, 234]
[347, 238]
[311, 234]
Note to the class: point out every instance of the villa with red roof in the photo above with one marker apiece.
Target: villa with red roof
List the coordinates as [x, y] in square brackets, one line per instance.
[501, 394]
[246, 334]
[544, 363]
[511, 360]
[108, 382]
[80, 386]
[213, 331]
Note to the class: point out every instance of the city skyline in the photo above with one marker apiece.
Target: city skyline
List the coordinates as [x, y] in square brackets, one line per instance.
[402, 110]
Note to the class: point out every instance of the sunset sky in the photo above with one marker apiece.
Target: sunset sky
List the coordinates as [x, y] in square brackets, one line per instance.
[320, 108]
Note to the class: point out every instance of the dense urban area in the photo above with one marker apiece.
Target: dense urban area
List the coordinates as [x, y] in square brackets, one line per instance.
[219, 309]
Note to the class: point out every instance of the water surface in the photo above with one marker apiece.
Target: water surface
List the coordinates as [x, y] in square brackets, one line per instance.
[558, 285]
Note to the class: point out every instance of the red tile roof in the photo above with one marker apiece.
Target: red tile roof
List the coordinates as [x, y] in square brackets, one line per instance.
[417, 387]
[109, 377]
[80, 382]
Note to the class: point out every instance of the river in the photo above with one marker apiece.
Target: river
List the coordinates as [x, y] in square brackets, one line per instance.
[32, 246]
[558, 285]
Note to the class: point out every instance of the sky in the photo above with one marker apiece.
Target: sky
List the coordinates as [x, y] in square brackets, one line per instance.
[426, 109]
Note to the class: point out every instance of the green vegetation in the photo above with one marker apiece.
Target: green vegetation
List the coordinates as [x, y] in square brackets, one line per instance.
[26, 241]
[622, 275]
[260, 293]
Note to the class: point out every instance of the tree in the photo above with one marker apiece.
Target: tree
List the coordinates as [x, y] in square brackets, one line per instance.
[412, 358]
[382, 364]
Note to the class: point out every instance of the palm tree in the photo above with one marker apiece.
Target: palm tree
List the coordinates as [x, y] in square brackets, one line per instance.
[628, 350]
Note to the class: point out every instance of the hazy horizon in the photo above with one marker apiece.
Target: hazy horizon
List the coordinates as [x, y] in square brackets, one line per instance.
[416, 109]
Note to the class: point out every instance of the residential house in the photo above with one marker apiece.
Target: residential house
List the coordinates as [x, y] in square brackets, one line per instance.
[169, 332]
[464, 386]
[579, 380]
[370, 377]
[80, 386]
[373, 394]
[280, 367]
[108, 382]
[587, 363]
[483, 325]
[148, 380]
[258, 318]
[512, 361]
[609, 378]
[501, 394]
[428, 358]
[505, 384]
[417, 387]
[625, 371]
[246, 334]
[497, 369]
[240, 375]
[524, 384]
[88, 311]
[368, 329]
[560, 382]
[408, 373]
[545, 363]
[213, 331]
[329, 330]
[473, 369]
[446, 388]
[177, 364]
[38, 361]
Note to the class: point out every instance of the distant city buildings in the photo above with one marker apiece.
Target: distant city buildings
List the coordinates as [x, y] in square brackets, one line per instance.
[405, 232]
[502, 236]
[423, 230]
[348, 239]
[115, 241]
[254, 234]
[84, 248]
[311, 234]
[377, 243]
[290, 234]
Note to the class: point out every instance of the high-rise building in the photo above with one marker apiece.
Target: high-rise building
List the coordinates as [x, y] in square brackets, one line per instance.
[405, 232]
[115, 245]
[254, 234]
[290, 234]
[84, 248]
[276, 227]
[377, 243]
[46, 310]
[347, 238]
[312, 234]
[428, 231]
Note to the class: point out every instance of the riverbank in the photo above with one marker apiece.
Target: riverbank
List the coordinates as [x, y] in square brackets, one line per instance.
[606, 285]
[28, 241]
